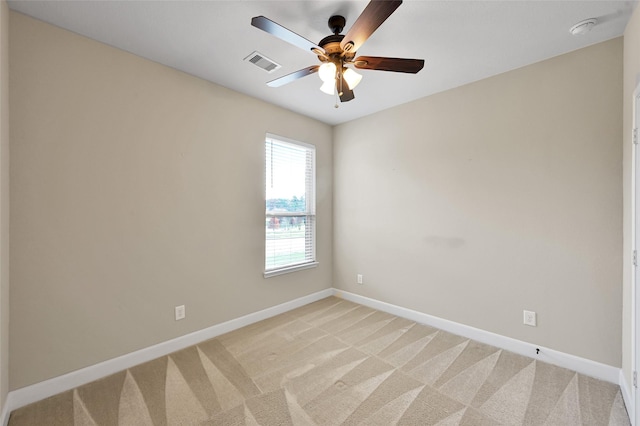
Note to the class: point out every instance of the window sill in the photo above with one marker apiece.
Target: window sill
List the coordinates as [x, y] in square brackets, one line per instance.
[275, 272]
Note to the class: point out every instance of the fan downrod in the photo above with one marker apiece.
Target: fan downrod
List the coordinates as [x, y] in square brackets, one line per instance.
[337, 23]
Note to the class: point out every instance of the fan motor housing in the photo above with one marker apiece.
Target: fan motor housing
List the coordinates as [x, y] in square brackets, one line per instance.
[331, 45]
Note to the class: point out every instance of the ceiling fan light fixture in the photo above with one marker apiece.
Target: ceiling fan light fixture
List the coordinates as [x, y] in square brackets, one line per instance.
[327, 72]
[351, 77]
[328, 87]
[336, 50]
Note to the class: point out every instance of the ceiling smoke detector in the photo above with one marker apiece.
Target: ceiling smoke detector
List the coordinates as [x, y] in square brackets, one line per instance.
[583, 27]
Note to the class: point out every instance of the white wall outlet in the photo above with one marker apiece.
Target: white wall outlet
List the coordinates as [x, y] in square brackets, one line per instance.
[529, 318]
[359, 278]
[180, 312]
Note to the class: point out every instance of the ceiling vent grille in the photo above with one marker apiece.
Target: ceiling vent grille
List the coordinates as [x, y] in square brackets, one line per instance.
[263, 62]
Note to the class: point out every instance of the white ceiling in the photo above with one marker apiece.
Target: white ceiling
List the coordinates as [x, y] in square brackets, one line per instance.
[461, 41]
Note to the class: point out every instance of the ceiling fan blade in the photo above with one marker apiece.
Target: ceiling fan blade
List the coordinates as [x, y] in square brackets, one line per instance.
[267, 25]
[376, 12]
[411, 66]
[293, 76]
[345, 93]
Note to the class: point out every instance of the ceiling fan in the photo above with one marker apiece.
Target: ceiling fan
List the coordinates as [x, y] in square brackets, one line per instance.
[337, 51]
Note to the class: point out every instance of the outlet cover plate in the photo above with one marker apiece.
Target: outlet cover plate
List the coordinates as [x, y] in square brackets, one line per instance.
[529, 318]
[180, 312]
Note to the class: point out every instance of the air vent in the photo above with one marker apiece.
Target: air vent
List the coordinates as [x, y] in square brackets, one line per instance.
[262, 61]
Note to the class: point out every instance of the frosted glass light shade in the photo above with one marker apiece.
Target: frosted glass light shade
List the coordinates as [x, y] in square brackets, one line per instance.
[328, 87]
[327, 72]
[351, 77]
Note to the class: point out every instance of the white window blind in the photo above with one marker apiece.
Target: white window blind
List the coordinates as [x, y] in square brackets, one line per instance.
[290, 204]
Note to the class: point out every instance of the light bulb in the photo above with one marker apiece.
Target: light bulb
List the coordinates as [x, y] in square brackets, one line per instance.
[327, 72]
[328, 87]
[351, 77]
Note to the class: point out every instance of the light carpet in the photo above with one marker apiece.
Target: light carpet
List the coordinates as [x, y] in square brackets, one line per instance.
[334, 362]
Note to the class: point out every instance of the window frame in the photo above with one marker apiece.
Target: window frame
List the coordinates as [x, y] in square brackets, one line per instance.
[310, 209]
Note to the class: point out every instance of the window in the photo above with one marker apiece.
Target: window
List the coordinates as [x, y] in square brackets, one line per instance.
[290, 218]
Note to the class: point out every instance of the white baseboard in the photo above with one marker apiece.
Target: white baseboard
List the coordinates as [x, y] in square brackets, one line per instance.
[36, 392]
[581, 365]
[627, 397]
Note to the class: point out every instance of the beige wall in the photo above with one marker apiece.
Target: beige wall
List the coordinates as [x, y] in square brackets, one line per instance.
[4, 201]
[631, 80]
[502, 195]
[136, 188]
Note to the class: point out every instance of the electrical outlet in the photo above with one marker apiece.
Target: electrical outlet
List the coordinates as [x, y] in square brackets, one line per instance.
[359, 278]
[529, 318]
[180, 312]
